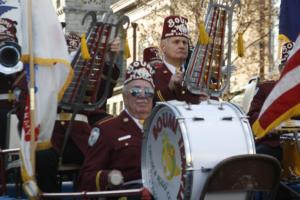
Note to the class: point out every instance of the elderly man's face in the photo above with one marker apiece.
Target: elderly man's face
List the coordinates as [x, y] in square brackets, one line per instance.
[138, 98]
[175, 48]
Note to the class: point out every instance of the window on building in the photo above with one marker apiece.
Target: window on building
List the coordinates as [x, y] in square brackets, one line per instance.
[121, 106]
[115, 109]
[107, 108]
[57, 3]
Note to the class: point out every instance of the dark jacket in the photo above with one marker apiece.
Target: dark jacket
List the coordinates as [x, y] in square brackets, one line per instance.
[80, 130]
[162, 78]
[263, 90]
[117, 147]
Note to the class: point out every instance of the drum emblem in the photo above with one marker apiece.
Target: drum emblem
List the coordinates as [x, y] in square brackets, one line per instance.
[169, 159]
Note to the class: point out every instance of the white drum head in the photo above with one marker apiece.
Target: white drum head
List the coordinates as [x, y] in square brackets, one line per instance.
[163, 158]
[183, 143]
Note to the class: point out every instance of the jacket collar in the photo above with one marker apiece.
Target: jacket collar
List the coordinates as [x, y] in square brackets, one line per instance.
[128, 124]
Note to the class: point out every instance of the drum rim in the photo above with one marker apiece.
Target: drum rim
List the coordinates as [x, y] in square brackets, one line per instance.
[182, 125]
[188, 180]
[245, 124]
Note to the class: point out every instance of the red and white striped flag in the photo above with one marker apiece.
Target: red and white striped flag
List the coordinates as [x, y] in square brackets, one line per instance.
[284, 100]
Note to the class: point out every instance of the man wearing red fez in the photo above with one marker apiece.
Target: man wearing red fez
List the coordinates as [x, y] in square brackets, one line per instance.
[169, 75]
[151, 55]
[114, 157]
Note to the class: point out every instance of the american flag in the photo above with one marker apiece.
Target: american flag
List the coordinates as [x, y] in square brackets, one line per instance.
[289, 26]
[284, 100]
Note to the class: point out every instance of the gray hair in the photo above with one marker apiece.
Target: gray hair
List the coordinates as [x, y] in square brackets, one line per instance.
[124, 89]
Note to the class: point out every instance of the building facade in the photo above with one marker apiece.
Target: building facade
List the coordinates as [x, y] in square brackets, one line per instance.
[70, 14]
[146, 24]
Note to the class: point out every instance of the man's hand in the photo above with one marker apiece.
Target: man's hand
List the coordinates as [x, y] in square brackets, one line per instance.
[176, 80]
[115, 45]
[114, 48]
[115, 177]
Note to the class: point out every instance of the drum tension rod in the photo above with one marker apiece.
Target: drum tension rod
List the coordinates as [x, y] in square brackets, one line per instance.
[198, 119]
[227, 118]
[188, 106]
[205, 169]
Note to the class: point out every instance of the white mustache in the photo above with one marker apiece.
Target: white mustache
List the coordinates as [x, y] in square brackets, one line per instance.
[143, 100]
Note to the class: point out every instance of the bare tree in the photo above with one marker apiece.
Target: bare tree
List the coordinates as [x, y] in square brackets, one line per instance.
[255, 19]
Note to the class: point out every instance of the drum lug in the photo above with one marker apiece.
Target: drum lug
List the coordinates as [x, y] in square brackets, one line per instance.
[188, 106]
[221, 106]
[206, 169]
[227, 118]
[198, 118]
[244, 117]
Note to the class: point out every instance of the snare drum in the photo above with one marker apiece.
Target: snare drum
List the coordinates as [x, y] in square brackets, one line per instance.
[291, 157]
[183, 143]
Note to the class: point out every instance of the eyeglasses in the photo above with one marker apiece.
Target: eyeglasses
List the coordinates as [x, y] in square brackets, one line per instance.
[137, 91]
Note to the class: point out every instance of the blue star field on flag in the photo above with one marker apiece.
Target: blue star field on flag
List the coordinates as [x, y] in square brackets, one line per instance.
[289, 25]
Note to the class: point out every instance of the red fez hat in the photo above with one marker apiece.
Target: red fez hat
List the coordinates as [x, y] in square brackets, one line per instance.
[138, 70]
[151, 54]
[73, 41]
[8, 30]
[174, 26]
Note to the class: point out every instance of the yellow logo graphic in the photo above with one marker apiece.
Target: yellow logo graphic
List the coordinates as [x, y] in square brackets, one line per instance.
[169, 159]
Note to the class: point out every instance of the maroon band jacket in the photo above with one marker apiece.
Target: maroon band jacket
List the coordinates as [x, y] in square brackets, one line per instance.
[263, 91]
[162, 78]
[80, 130]
[117, 147]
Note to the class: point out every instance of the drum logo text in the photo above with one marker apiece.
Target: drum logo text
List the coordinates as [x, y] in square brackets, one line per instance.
[166, 120]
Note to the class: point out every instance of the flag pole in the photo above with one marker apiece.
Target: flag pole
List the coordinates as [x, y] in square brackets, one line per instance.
[31, 87]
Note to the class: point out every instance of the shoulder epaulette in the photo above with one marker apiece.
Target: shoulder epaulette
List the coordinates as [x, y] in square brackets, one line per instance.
[104, 120]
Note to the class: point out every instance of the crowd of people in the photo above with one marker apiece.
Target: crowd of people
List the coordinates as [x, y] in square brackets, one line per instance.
[108, 148]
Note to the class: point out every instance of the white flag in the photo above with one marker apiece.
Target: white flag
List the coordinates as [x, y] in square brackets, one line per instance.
[53, 73]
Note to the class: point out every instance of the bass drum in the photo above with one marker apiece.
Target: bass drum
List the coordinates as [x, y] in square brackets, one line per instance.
[183, 143]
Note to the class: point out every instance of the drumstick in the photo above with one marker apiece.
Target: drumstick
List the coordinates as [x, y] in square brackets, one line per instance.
[180, 69]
